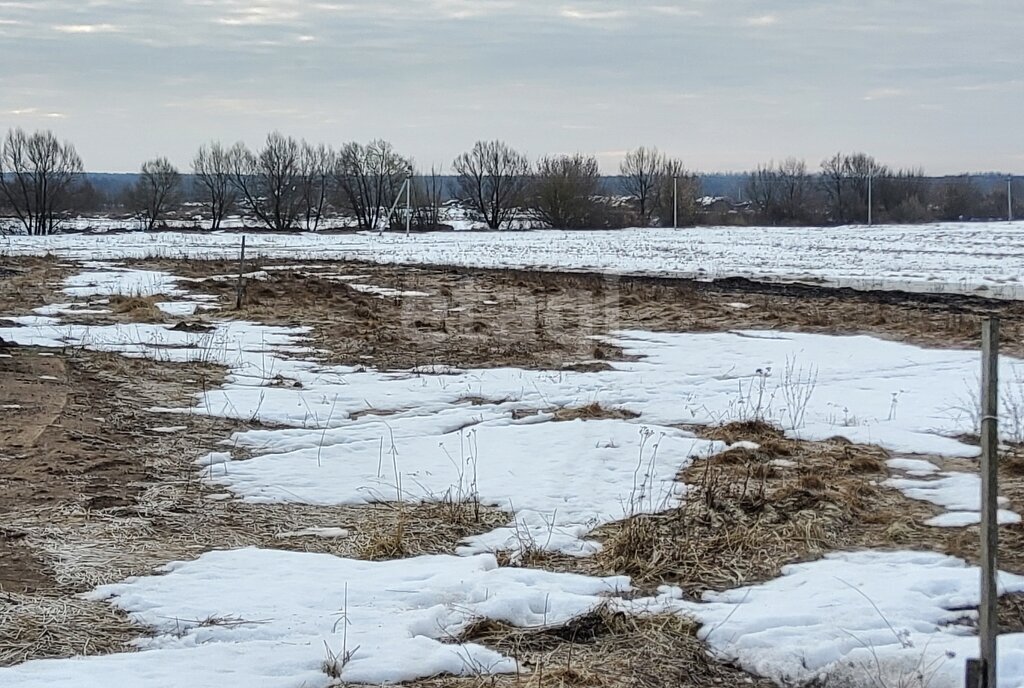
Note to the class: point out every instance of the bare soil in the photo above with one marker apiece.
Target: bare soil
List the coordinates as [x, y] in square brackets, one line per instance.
[470, 317]
[90, 493]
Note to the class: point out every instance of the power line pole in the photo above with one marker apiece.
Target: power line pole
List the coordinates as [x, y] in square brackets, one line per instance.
[408, 205]
[1009, 198]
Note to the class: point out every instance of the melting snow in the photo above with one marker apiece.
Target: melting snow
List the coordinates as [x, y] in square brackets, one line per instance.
[267, 618]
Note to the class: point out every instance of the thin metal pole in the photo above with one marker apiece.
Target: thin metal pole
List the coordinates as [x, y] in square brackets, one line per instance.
[1009, 198]
[240, 288]
[408, 204]
[988, 624]
[675, 203]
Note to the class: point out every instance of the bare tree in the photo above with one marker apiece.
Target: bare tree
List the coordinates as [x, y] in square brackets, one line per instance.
[833, 183]
[763, 189]
[212, 168]
[903, 196]
[37, 175]
[157, 190]
[269, 182]
[794, 190]
[428, 194]
[369, 178]
[675, 188]
[495, 178]
[565, 187]
[960, 199]
[641, 174]
[845, 180]
[317, 163]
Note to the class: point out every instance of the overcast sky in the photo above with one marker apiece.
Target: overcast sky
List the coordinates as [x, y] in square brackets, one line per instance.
[723, 84]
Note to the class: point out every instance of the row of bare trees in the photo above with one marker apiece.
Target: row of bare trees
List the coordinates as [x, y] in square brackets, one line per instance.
[565, 191]
[290, 184]
[846, 185]
[287, 183]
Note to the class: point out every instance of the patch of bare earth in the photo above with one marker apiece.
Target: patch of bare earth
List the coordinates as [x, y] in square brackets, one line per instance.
[30, 281]
[91, 493]
[472, 317]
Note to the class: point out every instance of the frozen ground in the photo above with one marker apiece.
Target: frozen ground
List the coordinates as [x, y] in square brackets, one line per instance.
[861, 619]
[269, 618]
[354, 436]
[273, 619]
[981, 258]
[343, 435]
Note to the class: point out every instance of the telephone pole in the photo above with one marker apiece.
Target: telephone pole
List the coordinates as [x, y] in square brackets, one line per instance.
[1009, 198]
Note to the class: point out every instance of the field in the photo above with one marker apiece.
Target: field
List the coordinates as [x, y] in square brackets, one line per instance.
[984, 258]
[639, 458]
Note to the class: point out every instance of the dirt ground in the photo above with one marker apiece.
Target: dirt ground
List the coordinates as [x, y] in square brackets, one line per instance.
[95, 487]
[536, 319]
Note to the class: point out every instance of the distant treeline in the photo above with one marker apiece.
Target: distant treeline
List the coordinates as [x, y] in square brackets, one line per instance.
[293, 184]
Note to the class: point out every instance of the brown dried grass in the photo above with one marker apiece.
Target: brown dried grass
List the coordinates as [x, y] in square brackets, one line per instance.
[600, 649]
[746, 515]
[141, 308]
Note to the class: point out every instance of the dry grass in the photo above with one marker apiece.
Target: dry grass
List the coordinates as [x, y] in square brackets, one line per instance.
[602, 649]
[393, 531]
[592, 411]
[139, 308]
[748, 514]
[38, 626]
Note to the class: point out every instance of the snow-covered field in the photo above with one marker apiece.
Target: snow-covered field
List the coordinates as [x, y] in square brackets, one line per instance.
[344, 435]
[973, 258]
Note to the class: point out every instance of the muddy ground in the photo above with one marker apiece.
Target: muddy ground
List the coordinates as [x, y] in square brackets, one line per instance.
[95, 487]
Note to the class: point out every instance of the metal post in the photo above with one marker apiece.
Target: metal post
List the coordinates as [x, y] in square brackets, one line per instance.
[408, 205]
[975, 674]
[675, 202]
[240, 288]
[1009, 198]
[988, 624]
[870, 179]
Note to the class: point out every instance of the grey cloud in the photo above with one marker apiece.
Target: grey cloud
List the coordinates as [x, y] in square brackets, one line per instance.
[722, 84]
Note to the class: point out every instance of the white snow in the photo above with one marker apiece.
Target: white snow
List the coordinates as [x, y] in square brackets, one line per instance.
[186, 308]
[321, 531]
[178, 308]
[421, 441]
[958, 492]
[524, 469]
[981, 257]
[869, 617]
[914, 467]
[267, 618]
[111, 280]
[169, 429]
[68, 309]
[386, 291]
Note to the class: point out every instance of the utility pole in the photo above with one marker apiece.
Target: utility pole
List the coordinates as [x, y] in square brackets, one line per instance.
[675, 202]
[1009, 198]
[408, 204]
